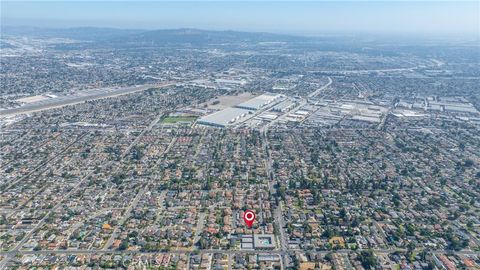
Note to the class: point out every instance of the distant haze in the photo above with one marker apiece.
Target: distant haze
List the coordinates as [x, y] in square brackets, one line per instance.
[305, 18]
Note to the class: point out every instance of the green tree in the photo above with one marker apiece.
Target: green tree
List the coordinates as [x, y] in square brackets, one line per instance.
[368, 259]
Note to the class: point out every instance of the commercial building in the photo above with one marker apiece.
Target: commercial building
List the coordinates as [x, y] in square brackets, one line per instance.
[224, 118]
[234, 115]
[284, 106]
[259, 102]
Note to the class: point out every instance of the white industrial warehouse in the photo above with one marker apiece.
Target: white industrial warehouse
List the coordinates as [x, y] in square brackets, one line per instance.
[238, 113]
[259, 102]
[225, 117]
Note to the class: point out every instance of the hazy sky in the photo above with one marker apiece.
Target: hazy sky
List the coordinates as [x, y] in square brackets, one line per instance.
[312, 17]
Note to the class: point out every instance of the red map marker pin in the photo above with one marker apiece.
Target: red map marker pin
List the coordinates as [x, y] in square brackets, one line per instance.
[249, 217]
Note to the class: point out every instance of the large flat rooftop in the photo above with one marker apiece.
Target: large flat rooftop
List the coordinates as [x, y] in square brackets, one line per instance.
[258, 102]
[264, 241]
[225, 117]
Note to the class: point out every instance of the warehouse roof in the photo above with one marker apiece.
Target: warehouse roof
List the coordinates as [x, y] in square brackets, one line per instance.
[258, 102]
[225, 117]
